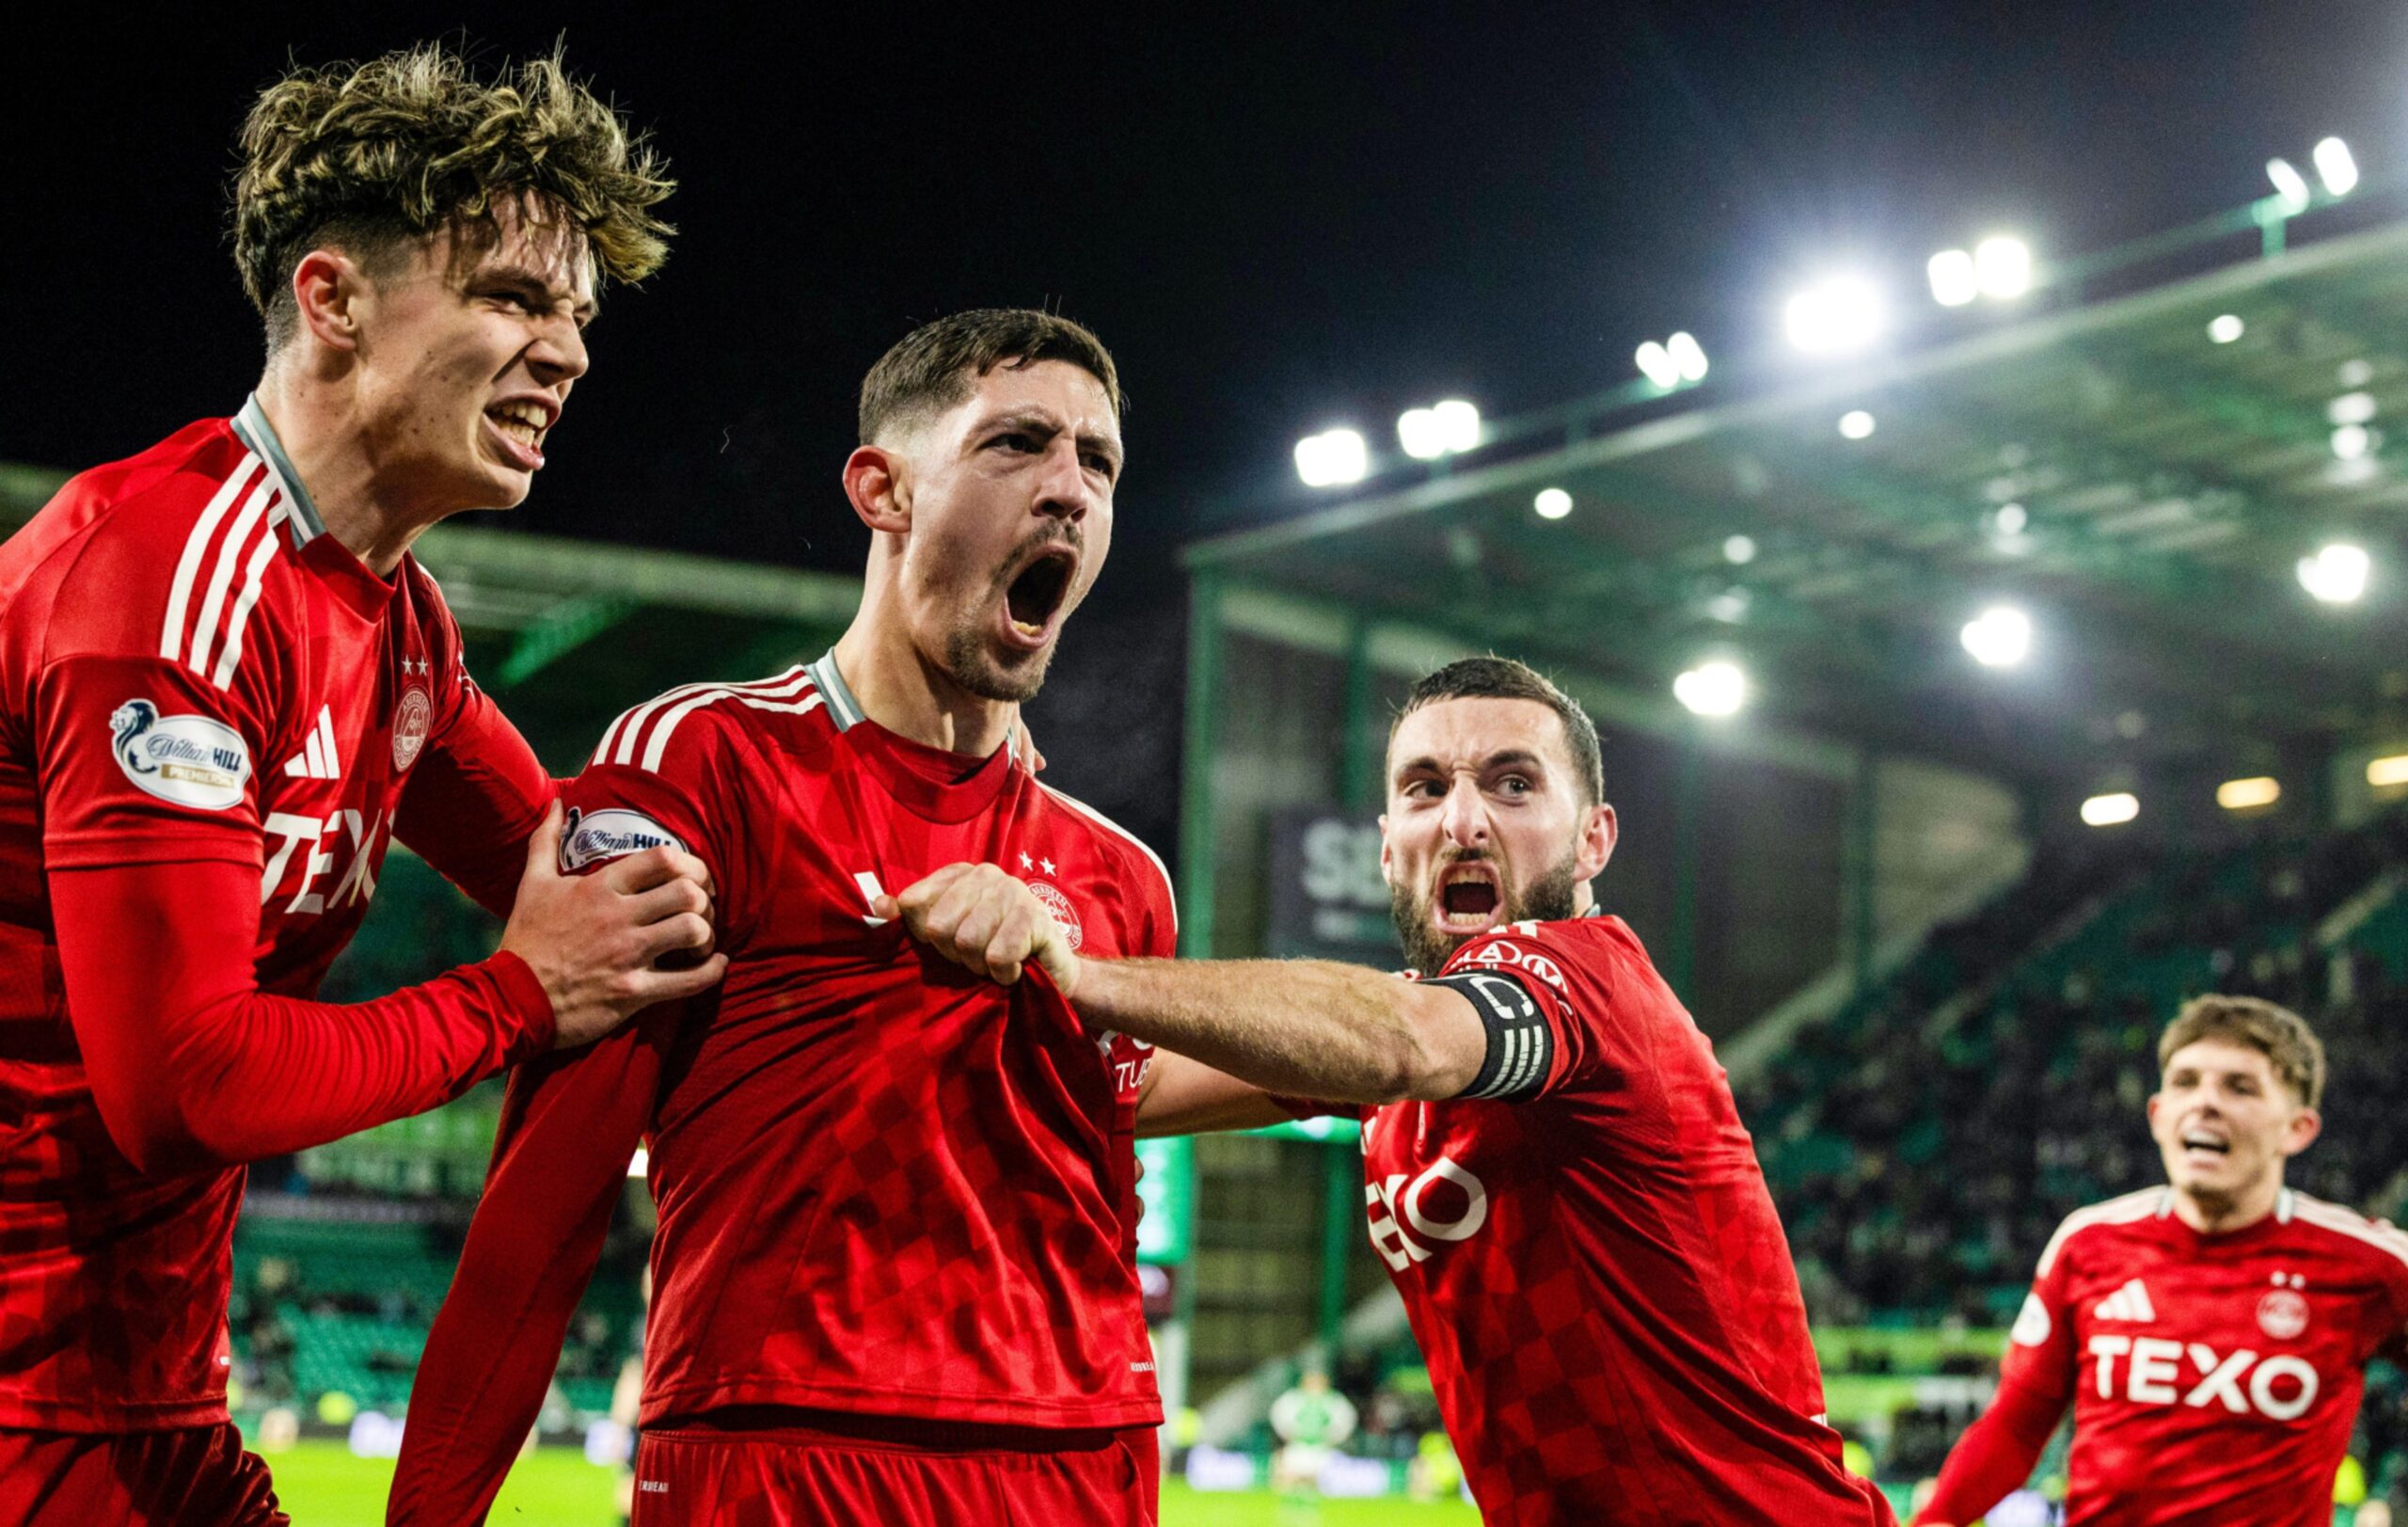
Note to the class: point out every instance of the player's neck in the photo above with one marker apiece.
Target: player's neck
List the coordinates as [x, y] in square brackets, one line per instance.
[323, 442]
[903, 692]
[2220, 1215]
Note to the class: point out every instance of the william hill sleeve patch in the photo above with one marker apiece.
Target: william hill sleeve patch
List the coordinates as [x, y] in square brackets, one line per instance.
[594, 837]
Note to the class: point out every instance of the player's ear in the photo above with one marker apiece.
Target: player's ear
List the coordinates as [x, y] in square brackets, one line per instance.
[874, 481]
[2302, 1131]
[1600, 830]
[326, 289]
[1388, 861]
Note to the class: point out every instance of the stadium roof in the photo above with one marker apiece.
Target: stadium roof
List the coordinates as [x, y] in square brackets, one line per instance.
[573, 631]
[2170, 482]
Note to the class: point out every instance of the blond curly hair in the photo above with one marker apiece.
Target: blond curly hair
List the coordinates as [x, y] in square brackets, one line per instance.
[378, 157]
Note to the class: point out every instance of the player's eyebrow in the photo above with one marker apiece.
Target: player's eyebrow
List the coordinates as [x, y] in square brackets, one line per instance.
[1046, 425]
[1502, 758]
[532, 283]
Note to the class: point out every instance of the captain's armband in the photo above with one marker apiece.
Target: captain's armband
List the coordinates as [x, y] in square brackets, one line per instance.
[1521, 1043]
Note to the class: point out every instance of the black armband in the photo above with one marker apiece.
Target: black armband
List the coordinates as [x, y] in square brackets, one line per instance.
[1521, 1043]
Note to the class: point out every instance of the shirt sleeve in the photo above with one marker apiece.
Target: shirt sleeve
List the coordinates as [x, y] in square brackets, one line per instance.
[569, 1124]
[690, 795]
[473, 796]
[1550, 1004]
[143, 760]
[2035, 1385]
[191, 1065]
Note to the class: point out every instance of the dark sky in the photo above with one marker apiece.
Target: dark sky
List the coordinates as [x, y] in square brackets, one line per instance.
[1276, 221]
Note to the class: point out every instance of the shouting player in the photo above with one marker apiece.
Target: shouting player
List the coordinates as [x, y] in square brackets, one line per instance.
[894, 1276]
[224, 689]
[2212, 1334]
[1558, 1181]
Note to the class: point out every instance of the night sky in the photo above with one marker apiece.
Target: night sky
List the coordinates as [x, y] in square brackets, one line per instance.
[1276, 221]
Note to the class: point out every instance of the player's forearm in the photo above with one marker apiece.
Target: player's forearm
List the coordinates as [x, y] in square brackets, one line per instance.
[1995, 1456]
[1183, 1096]
[569, 1124]
[1314, 1027]
[191, 1066]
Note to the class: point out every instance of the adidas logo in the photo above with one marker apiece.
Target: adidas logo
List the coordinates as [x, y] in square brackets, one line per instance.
[2130, 1302]
[316, 759]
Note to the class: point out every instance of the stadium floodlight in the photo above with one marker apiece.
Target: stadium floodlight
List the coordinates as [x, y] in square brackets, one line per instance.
[1856, 425]
[2249, 794]
[1712, 688]
[2337, 574]
[2384, 773]
[1688, 355]
[1999, 637]
[1552, 503]
[2350, 408]
[2291, 186]
[2004, 268]
[2352, 441]
[1333, 458]
[2225, 327]
[2110, 810]
[1953, 282]
[1443, 429]
[1834, 316]
[2336, 167]
[1739, 551]
[2011, 519]
[1656, 363]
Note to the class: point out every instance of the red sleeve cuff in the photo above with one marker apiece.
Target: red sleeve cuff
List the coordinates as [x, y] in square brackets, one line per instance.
[525, 997]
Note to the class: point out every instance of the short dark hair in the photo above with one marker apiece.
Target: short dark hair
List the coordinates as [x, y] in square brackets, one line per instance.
[2252, 1023]
[370, 157]
[935, 366]
[1502, 678]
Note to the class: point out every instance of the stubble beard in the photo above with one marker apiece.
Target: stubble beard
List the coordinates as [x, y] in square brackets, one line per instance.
[970, 663]
[1550, 897]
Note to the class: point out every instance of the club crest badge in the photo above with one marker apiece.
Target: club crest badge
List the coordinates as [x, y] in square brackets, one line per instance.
[413, 719]
[1063, 913]
[2282, 1315]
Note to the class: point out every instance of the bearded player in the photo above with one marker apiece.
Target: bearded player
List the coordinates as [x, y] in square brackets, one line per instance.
[2212, 1335]
[895, 1278]
[224, 689]
[1557, 1180]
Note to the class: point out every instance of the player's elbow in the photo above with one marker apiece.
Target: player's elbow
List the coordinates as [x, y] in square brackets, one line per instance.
[147, 1122]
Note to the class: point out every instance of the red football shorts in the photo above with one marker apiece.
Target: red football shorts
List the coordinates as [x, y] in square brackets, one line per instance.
[185, 1478]
[795, 1476]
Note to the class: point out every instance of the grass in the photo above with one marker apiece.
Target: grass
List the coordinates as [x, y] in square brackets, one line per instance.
[322, 1485]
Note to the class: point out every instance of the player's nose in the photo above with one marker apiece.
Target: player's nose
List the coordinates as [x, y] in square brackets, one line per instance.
[1064, 489]
[557, 355]
[1466, 816]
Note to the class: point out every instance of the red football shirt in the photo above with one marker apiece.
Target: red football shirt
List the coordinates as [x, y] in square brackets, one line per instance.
[2214, 1379]
[1594, 1271]
[886, 1188]
[214, 720]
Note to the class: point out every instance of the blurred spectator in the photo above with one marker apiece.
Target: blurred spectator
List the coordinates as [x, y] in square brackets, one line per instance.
[1311, 1421]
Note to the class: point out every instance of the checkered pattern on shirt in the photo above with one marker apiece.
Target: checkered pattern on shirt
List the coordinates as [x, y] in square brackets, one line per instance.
[1616, 1334]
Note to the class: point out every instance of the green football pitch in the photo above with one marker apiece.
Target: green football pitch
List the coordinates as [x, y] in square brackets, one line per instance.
[322, 1485]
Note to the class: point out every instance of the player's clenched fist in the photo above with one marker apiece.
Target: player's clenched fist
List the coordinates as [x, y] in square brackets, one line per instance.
[594, 940]
[985, 921]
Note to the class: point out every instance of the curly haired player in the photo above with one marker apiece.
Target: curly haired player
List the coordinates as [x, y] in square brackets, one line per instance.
[224, 689]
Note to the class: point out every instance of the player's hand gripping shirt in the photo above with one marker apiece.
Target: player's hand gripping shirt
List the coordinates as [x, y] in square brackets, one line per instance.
[213, 720]
[2214, 1379]
[1591, 1262]
[886, 1186]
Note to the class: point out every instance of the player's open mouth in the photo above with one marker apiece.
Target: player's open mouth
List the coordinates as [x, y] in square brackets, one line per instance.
[2201, 1146]
[519, 426]
[1035, 594]
[1469, 896]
